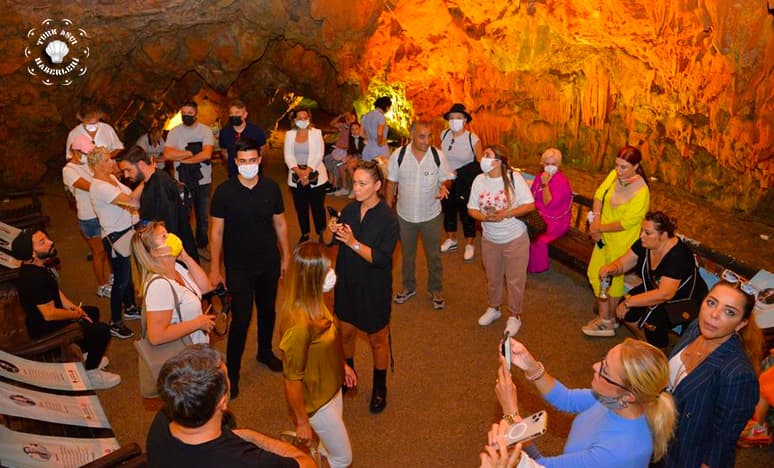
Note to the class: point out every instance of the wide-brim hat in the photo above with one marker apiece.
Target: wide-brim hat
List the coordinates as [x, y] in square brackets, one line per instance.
[458, 108]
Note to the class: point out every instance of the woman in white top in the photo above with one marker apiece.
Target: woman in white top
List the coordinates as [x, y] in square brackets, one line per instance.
[116, 210]
[166, 267]
[77, 179]
[497, 198]
[304, 148]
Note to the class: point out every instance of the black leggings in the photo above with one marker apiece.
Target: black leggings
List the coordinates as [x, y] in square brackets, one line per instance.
[454, 206]
[305, 198]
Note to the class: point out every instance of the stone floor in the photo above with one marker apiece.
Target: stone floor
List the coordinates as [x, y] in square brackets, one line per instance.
[441, 398]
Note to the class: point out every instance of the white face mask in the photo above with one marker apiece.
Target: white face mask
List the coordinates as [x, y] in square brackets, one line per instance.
[456, 124]
[487, 164]
[302, 123]
[550, 169]
[330, 280]
[84, 158]
[248, 171]
[91, 127]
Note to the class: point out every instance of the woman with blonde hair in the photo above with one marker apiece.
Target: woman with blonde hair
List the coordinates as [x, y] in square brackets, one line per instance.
[625, 419]
[313, 357]
[172, 290]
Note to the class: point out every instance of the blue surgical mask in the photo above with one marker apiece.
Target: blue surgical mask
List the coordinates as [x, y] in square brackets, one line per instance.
[248, 171]
[611, 403]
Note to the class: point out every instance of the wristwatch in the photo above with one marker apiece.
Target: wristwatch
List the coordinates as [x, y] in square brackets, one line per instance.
[356, 246]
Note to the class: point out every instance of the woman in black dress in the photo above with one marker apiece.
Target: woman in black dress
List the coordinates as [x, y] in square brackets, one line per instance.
[668, 272]
[367, 231]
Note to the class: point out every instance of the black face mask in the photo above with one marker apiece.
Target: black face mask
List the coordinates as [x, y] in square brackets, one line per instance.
[189, 120]
[235, 120]
[50, 254]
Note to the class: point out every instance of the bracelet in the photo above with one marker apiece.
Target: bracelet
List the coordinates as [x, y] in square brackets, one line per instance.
[510, 418]
[540, 373]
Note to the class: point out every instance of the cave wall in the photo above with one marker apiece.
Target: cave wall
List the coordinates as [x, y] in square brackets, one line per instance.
[688, 81]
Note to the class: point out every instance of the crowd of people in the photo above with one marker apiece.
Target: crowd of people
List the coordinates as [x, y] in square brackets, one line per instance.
[686, 409]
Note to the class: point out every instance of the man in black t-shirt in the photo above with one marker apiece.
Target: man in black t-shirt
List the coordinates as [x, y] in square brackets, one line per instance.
[248, 220]
[47, 309]
[238, 127]
[160, 199]
[190, 430]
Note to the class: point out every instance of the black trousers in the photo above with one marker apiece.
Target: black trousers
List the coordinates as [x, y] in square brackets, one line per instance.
[305, 198]
[453, 206]
[246, 287]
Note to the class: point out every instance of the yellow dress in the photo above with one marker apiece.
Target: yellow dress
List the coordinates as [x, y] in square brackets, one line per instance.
[630, 215]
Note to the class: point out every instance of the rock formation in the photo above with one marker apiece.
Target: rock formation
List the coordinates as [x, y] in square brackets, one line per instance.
[688, 81]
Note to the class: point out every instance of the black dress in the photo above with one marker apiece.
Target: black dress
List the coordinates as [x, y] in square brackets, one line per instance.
[363, 294]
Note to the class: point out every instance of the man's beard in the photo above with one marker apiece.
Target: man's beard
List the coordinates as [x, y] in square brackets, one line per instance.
[46, 255]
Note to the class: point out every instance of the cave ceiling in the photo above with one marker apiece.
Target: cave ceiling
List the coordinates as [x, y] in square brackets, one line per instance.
[688, 81]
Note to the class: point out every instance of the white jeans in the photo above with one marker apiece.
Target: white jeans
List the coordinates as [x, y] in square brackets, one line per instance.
[328, 423]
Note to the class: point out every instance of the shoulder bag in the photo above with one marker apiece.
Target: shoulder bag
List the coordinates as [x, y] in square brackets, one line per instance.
[151, 357]
[536, 225]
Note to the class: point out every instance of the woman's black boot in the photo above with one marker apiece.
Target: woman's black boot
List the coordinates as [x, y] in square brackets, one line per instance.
[379, 393]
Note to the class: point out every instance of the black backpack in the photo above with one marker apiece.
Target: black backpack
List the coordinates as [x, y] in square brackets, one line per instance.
[436, 158]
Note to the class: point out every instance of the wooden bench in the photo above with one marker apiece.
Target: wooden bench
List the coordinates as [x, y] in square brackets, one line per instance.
[22, 209]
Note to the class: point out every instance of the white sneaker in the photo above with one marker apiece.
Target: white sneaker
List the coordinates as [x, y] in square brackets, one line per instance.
[351, 195]
[104, 290]
[342, 192]
[489, 316]
[448, 245]
[101, 380]
[599, 327]
[470, 250]
[513, 326]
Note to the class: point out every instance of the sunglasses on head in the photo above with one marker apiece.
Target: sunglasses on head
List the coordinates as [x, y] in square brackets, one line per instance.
[744, 285]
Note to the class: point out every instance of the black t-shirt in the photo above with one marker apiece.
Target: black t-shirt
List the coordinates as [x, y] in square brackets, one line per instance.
[249, 239]
[228, 450]
[677, 264]
[38, 285]
[228, 138]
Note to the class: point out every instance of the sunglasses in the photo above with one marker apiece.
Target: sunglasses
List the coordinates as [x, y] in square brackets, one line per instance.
[744, 285]
[608, 379]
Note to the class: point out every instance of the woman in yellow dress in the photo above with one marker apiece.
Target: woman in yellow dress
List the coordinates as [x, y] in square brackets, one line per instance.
[619, 206]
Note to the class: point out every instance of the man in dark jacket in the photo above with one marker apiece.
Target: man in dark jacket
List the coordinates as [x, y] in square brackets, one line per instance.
[161, 198]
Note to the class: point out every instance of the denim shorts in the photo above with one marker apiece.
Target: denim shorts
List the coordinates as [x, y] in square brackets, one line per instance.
[90, 227]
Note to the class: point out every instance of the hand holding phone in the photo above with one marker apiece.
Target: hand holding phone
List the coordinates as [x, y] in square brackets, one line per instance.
[528, 428]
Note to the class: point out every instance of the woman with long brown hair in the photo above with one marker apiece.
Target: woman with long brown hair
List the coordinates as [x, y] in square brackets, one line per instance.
[313, 358]
[713, 377]
[497, 198]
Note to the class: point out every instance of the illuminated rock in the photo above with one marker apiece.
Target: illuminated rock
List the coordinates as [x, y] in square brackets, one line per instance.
[689, 82]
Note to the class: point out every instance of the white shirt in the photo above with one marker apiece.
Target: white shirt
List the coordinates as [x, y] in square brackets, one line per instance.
[112, 218]
[180, 136]
[105, 136]
[70, 174]
[158, 297]
[459, 150]
[419, 182]
[488, 193]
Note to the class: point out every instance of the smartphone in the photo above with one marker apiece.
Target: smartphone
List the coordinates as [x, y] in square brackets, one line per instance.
[528, 428]
[333, 213]
[505, 348]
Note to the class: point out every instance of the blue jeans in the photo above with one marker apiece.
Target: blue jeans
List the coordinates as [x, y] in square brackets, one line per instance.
[201, 205]
[123, 288]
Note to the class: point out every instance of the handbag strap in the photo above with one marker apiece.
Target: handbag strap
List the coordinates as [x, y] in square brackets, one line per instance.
[174, 296]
